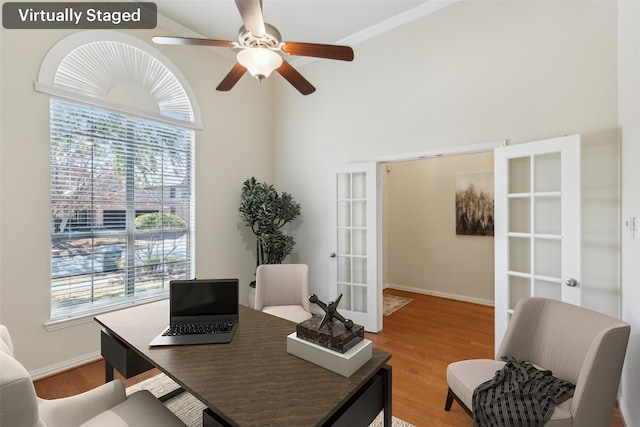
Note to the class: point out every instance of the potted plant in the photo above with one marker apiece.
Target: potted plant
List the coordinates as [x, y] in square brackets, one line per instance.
[266, 212]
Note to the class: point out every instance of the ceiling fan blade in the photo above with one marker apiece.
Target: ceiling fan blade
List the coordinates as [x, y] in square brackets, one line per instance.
[193, 42]
[295, 78]
[251, 13]
[316, 50]
[232, 78]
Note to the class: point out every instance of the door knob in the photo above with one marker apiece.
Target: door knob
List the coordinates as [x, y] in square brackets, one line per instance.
[332, 255]
[571, 282]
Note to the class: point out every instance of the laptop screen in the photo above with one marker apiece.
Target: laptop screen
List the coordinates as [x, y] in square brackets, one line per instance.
[203, 297]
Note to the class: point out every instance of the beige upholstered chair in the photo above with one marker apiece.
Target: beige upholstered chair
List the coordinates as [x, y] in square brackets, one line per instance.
[104, 406]
[283, 290]
[578, 345]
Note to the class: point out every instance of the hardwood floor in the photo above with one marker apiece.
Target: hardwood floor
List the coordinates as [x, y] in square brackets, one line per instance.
[81, 379]
[423, 337]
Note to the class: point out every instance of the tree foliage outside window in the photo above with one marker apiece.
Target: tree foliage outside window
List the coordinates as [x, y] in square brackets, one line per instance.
[117, 235]
[154, 230]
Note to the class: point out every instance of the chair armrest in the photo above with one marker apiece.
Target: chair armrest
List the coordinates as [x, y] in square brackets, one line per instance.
[75, 410]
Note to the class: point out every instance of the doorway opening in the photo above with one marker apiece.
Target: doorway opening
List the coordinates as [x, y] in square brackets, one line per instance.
[420, 249]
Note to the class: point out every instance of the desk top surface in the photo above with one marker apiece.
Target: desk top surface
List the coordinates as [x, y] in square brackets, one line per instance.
[251, 381]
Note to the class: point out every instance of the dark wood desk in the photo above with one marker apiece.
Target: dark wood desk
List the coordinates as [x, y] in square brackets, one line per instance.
[252, 381]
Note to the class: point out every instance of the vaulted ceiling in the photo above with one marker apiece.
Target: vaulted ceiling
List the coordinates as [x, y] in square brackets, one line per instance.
[317, 21]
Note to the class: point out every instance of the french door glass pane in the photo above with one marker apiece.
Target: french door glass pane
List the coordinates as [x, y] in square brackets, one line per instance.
[519, 175]
[344, 214]
[547, 172]
[345, 290]
[519, 287]
[520, 254]
[548, 220]
[359, 242]
[344, 269]
[520, 215]
[359, 213]
[344, 241]
[359, 185]
[548, 257]
[359, 270]
[359, 299]
[545, 289]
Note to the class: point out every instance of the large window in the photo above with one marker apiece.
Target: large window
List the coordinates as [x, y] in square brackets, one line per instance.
[122, 136]
[121, 207]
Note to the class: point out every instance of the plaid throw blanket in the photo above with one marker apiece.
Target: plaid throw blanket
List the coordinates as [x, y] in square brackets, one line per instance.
[519, 395]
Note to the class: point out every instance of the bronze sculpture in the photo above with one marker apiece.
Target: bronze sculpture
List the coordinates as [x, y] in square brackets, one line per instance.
[331, 312]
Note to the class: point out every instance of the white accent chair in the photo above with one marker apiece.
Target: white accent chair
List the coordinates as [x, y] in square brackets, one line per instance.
[578, 345]
[283, 290]
[104, 406]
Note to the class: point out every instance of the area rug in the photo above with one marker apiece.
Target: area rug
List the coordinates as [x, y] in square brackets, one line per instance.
[393, 303]
[189, 409]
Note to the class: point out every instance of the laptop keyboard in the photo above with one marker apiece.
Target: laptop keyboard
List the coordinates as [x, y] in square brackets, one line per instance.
[199, 329]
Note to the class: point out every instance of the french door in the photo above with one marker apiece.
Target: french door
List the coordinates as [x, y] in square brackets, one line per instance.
[354, 257]
[537, 224]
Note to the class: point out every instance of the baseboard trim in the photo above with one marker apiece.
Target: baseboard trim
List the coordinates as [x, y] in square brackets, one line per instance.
[47, 371]
[617, 411]
[456, 297]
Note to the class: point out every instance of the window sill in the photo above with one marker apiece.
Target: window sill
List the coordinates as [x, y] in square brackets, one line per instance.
[86, 317]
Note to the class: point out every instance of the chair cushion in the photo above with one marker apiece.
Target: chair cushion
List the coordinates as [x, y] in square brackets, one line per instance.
[463, 377]
[141, 409]
[79, 408]
[18, 401]
[295, 313]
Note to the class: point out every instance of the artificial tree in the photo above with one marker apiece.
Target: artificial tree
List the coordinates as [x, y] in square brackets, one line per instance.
[266, 212]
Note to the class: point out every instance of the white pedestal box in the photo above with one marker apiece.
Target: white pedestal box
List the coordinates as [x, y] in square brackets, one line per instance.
[344, 364]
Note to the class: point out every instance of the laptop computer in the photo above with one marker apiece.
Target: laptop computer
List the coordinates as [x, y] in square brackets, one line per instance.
[202, 311]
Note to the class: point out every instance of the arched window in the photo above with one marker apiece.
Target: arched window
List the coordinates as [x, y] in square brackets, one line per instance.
[122, 123]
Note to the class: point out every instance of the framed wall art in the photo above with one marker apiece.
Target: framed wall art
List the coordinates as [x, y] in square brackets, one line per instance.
[474, 204]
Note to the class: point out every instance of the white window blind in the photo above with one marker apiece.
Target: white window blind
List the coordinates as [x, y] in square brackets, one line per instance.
[122, 221]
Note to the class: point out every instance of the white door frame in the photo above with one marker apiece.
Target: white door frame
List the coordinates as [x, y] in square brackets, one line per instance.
[442, 152]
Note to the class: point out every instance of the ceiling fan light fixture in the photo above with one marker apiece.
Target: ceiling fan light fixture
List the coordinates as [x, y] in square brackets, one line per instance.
[259, 61]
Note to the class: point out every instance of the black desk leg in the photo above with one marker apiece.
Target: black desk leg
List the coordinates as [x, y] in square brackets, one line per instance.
[386, 387]
[171, 394]
[211, 419]
[108, 371]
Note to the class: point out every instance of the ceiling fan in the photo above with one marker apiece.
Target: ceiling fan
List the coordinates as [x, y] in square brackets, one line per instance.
[260, 46]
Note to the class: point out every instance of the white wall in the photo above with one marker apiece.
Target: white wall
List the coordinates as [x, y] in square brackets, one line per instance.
[471, 73]
[630, 125]
[227, 152]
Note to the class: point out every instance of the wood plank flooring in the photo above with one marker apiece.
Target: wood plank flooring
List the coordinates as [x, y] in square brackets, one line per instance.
[423, 337]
